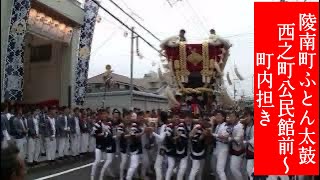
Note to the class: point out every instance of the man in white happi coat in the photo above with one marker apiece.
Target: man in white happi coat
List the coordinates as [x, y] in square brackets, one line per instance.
[63, 133]
[50, 135]
[160, 136]
[236, 144]
[92, 139]
[20, 131]
[5, 128]
[249, 141]
[75, 133]
[42, 128]
[84, 129]
[33, 138]
[221, 151]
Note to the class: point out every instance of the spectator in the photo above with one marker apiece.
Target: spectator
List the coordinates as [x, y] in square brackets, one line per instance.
[12, 166]
[5, 137]
[19, 128]
[116, 117]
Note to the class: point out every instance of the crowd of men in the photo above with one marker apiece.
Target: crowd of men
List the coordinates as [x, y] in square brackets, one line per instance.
[177, 146]
[165, 145]
[47, 131]
[180, 144]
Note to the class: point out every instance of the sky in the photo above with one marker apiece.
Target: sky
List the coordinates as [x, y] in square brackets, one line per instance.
[232, 19]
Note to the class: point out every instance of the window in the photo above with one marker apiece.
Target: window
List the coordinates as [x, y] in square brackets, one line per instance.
[122, 87]
[153, 84]
[41, 53]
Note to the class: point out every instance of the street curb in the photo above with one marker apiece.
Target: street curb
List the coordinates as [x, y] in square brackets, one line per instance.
[57, 163]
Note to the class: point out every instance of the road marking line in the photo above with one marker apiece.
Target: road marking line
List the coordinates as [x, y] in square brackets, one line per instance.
[64, 172]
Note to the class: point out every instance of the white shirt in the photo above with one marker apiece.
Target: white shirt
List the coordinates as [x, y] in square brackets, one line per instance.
[237, 133]
[106, 129]
[23, 126]
[160, 137]
[85, 124]
[5, 132]
[249, 134]
[53, 126]
[221, 130]
[77, 125]
[9, 116]
[189, 127]
[65, 122]
[36, 125]
[134, 116]
[6, 135]
[25, 122]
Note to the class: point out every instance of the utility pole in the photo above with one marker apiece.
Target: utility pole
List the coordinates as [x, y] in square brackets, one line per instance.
[131, 67]
[235, 80]
[234, 91]
[253, 84]
[107, 79]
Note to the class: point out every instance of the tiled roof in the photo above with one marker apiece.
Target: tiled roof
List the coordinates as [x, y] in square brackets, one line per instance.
[117, 78]
[152, 83]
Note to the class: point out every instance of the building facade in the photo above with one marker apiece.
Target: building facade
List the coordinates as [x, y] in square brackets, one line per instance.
[122, 99]
[45, 48]
[45, 53]
[118, 95]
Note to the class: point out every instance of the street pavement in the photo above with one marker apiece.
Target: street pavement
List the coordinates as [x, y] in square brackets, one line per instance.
[76, 170]
[44, 170]
[80, 174]
[80, 170]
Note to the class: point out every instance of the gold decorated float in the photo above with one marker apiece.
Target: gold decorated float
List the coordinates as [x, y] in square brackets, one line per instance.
[196, 70]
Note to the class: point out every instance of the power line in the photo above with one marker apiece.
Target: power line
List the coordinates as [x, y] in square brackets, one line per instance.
[197, 16]
[125, 25]
[180, 13]
[237, 35]
[94, 52]
[135, 20]
[113, 23]
[132, 12]
[225, 37]
[187, 19]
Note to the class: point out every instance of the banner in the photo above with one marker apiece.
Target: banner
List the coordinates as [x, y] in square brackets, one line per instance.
[13, 71]
[286, 88]
[87, 29]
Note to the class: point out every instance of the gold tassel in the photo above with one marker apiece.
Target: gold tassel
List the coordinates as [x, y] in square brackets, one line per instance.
[211, 63]
[228, 78]
[238, 74]
[176, 64]
[217, 67]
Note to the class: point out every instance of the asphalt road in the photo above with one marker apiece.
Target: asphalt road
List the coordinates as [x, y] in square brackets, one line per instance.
[80, 170]
[75, 169]
[80, 174]
[62, 167]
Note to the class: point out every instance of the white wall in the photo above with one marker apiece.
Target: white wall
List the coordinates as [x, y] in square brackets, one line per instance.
[119, 100]
[68, 8]
[42, 79]
[47, 76]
